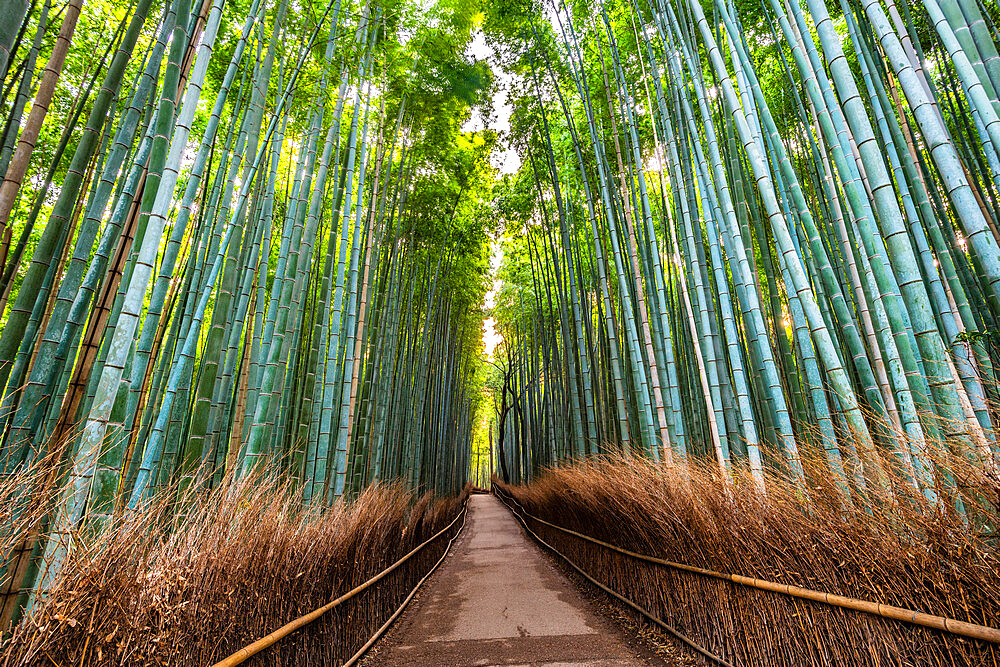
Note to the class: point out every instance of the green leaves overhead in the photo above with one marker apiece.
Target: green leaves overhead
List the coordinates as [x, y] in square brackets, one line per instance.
[272, 249]
[752, 224]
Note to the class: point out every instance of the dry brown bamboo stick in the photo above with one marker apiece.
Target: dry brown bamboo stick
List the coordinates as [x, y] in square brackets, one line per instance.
[943, 623]
[256, 647]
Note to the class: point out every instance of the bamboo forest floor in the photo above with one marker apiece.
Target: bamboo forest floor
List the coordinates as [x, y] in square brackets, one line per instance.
[498, 600]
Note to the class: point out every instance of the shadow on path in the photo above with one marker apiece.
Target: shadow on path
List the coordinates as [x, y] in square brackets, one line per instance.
[498, 601]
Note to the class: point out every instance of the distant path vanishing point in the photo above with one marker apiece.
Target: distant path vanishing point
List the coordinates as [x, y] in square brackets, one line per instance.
[498, 601]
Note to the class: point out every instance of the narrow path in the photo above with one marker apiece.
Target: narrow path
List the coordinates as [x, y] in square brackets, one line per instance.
[498, 601]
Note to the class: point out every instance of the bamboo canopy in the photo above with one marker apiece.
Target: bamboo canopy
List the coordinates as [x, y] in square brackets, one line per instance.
[258, 243]
[756, 234]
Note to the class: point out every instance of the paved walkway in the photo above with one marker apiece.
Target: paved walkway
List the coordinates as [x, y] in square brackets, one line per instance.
[497, 600]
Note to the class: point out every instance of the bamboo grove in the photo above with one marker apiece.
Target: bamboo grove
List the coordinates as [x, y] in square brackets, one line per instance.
[234, 234]
[762, 234]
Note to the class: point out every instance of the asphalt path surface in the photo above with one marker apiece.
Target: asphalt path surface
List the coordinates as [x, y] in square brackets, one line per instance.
[497, 600]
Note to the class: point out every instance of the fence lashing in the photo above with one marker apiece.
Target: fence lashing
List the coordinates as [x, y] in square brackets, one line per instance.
[269, 640]
[618, 596]
[942, 623]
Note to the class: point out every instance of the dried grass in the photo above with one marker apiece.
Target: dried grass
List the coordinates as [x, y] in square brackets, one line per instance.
[189, 581]
[904, 555]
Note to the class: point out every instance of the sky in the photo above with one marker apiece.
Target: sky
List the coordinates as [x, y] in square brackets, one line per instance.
[507, 161]
[490, 336]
